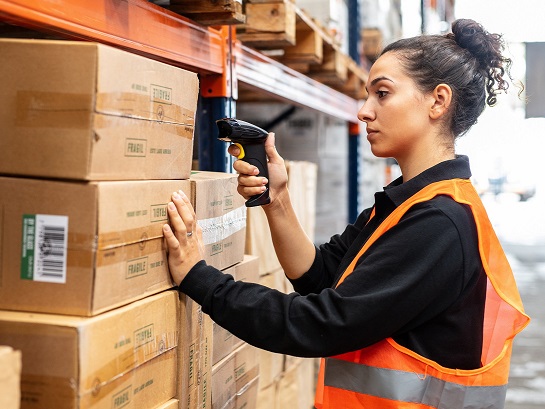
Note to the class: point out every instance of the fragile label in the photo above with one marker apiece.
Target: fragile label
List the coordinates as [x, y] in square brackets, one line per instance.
[135, 147]
[161, 94]
[44, 248]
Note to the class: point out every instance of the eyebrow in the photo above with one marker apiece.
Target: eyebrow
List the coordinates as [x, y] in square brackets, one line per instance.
[381, 78]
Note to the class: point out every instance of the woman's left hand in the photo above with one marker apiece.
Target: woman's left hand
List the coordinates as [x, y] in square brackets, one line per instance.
[183, 237]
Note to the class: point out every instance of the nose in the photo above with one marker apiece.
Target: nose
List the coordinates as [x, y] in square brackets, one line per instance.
[366, 113]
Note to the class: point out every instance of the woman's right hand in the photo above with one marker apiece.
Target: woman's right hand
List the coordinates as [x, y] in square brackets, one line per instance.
[250, 183]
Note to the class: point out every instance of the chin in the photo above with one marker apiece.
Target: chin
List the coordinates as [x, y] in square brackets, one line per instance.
[380, 153]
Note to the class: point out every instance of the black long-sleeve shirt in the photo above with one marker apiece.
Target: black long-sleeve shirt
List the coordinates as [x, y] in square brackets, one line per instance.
[422, 283]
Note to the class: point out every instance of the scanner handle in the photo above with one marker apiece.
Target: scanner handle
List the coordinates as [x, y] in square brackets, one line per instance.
[255, 155]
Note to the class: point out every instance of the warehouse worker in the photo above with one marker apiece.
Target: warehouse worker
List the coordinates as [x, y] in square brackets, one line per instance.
[414, 305]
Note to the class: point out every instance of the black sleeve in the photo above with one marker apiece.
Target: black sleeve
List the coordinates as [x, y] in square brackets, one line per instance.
[323, 272]
[409, 274]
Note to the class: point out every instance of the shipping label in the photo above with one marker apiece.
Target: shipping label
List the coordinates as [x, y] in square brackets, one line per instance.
[44, 248]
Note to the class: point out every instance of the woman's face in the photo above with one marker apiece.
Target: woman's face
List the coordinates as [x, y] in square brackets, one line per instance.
[396, 112]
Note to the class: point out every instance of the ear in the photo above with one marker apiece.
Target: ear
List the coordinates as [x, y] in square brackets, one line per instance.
[442, 95]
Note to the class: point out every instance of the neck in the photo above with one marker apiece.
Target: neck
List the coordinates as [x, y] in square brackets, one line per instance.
[412, 168]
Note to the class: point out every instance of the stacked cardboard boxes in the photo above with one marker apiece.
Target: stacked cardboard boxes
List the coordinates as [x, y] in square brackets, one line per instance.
[94, 141]
[125, 357]
[221, 214]
[236, 367]
[284, 381]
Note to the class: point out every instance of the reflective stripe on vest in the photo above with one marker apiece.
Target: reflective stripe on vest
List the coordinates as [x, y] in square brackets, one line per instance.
[410, 387]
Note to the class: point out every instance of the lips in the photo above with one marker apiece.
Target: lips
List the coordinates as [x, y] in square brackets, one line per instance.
[371, 131]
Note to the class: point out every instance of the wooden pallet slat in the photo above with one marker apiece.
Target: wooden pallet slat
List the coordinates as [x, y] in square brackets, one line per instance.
[333, 71]
[308, 47]
[210, 12]
[268, 25]
[354, 85]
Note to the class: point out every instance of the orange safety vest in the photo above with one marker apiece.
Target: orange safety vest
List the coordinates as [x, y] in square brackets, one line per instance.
[386, 375]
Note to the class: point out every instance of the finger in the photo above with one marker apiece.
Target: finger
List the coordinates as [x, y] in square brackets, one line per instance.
[233, 150]
[176, 222]
[191, 210]
[270, 149]
[172, 242]
[251, 181]
[244, 168]
[269, 142]
[185, 210]
[247, 192]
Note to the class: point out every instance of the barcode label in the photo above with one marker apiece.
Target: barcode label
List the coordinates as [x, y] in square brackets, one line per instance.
[44, 248]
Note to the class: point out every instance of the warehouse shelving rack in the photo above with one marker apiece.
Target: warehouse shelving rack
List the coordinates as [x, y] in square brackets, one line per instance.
[222, 62]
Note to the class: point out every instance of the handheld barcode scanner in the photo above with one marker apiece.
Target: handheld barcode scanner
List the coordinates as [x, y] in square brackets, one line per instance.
[251, 141]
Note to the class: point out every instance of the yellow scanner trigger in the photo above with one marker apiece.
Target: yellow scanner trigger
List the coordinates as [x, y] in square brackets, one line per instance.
[242, 153]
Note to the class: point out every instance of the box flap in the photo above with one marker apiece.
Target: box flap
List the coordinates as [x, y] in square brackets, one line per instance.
[139, 87]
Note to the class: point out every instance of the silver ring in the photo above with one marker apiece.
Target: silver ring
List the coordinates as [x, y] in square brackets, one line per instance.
[189, 234]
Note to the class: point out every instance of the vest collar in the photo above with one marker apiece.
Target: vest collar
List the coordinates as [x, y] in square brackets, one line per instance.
[457, 168]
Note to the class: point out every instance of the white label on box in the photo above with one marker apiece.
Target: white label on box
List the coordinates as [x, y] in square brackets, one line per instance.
[219, 228]
[44, 248]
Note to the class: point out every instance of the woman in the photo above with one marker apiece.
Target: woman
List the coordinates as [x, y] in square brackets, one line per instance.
[414, 304]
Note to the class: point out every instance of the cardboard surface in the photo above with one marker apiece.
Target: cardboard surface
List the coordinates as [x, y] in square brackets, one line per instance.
[171, 404]
[259, 241]
[194, 356]
[81, 110]
[103, 248]
[221, 213]
[223, 341]
[296, 387]
[123, 356]
[10, 377]
[235, 379]
[266, 397]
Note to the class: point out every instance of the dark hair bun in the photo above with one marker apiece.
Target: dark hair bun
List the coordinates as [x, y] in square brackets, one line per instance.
[487, 49]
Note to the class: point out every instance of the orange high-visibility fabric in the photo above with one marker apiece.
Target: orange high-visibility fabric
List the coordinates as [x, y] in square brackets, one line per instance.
[504, 315]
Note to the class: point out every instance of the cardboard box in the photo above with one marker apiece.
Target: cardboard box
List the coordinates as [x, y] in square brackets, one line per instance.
[235, 379]
[10, 378]
[171, 404]
[81, 110]
[296, 387]
[82, 248]
[259, 241]
[266, 397]
[224, 342]
[122, 358]
[221, 213]
[271, 366]
[194, 356]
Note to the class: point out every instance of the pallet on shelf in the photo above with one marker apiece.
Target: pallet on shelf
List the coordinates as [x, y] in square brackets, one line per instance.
[308, 47]
[210, 12]
[355, 83]
[269, 25]
[333, 71]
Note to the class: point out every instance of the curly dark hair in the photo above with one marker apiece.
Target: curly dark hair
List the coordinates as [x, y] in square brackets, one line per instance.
[469, 60]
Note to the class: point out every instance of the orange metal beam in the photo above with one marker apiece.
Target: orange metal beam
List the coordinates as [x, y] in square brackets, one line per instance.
[225, 85]
[136, 25]
[281, 82]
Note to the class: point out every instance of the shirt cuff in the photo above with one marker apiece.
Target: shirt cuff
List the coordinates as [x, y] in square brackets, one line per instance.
[200, 280]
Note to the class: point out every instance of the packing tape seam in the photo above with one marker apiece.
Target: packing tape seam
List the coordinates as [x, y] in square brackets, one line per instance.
[158, 353]
[216, 229]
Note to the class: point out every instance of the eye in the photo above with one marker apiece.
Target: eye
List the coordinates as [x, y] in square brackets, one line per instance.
[381, 94]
